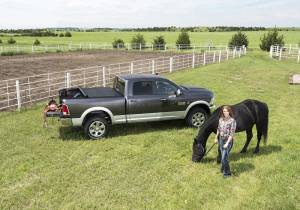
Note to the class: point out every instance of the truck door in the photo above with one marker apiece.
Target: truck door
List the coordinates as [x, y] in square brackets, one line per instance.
[144, 105]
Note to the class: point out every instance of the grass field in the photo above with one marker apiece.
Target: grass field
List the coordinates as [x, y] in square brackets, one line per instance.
[291, 37]
[148, 166]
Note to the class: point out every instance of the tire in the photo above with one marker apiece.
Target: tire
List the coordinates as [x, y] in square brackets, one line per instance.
[96, 128]
[196, 117]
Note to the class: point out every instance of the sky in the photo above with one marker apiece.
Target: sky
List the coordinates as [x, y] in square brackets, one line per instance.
[16, 14]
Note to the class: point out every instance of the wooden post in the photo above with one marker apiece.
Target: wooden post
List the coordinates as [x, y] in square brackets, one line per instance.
[220, 56]
[298, 56]
[153, 66]
[227, 54]
[104, 79]
[171, 64]
[204, 58]
[68, 80]
[7, 93]
[214, 58]
[18, 94]
[29, 89]
[131, 68]
[193, 64]
[271, 51]
[165, 47]
[280, 54]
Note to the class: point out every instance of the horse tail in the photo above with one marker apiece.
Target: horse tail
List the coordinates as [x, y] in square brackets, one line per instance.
[264, 121]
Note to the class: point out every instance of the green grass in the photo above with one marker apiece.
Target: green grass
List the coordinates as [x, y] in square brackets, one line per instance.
[148, 166]
[292, 37]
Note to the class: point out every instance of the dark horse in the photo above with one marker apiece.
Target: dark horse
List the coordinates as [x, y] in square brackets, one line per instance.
[247, 114]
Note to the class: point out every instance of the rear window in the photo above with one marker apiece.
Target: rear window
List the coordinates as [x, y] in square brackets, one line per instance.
[119, 85]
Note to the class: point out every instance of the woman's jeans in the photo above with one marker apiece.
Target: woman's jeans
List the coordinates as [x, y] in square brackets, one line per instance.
[225, 168]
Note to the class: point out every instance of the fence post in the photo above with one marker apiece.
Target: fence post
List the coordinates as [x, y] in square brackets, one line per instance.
[165, 47]
[7, 93]
[271, 51]
[193, 64]
[171, 64]
[245, 50]
[68, 80]
[29, 90]
[227, 56]
[104, 79]
[18, 94]
[214, 58]
[140, 46]
[220, 56]
[131, 67]
[153, 67]
[290, 49]
[240, 51]
[84, 78]
[234, 49]
[298, 56]
[152, 47]
[280, 54]
[32, 49]
[204, 58]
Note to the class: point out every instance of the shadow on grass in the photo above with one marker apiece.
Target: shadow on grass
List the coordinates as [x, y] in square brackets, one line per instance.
[235, 156]
[77, 133]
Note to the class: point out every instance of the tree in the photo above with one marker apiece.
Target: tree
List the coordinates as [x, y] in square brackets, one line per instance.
[138, 41]
[159, 43]
[68, 34]
[272, 38]
[183, 41]
[239, 39]
[36, 42]
[11, 41]
[61, 35]
[118, 43]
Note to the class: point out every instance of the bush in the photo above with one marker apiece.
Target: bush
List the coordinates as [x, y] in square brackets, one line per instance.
[0, 41]
[272, 38]
[61, 35]
[68, 34]
[118, 43]
[11, 41]
[137, 41]
[12, 53]
[159, 43]
[36, 42]
[239, 39]
[183, 41]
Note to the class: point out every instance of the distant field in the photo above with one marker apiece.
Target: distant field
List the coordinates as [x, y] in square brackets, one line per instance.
[171, 37]
[148, 166]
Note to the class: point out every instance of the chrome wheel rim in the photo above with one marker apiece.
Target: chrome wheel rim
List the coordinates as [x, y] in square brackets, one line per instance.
[198, 119]
[97, 129]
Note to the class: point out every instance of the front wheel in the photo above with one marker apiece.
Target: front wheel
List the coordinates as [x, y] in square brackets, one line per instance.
[96, 128]
[196, 117]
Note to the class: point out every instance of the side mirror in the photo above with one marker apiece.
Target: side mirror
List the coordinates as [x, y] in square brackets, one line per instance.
[178, 92]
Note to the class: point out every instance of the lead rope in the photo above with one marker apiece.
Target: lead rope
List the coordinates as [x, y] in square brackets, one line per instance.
[209, 150]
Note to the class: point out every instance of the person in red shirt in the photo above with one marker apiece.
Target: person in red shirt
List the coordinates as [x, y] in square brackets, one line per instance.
[52, 106]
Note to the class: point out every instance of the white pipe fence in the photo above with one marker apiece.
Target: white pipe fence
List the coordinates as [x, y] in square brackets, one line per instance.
[285, 52]
[23, 91]
[106, 46]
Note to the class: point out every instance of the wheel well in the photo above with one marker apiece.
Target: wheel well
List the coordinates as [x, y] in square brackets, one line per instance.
[202, 106]
[101, 114]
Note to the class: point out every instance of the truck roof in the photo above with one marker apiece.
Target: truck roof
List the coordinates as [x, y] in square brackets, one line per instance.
[138, 76]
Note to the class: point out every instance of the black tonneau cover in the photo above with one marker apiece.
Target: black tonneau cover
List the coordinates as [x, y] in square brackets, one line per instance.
[100, 92]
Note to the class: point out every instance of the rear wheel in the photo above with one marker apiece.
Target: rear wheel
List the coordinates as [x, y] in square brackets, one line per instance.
[196, 117]
[96, 127]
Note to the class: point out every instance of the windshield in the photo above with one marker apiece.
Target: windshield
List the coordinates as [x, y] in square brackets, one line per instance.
[119, 85]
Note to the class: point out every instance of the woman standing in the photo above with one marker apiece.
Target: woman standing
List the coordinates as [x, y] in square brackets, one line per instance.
[224, 137]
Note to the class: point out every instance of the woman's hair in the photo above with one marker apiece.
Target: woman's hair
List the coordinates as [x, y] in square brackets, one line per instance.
[229, 110]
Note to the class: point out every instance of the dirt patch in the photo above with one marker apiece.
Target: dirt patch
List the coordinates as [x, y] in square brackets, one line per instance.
[28, 65]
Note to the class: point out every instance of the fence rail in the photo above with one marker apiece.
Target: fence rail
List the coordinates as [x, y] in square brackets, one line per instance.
[15, 93]
[93, 46]
[285, 52]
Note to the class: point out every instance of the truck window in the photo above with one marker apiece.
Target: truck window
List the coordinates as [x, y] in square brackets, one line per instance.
[164, 88]
[143, 88]
[119, 85]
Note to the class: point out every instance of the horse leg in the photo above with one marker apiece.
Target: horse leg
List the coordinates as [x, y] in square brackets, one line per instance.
[259, 134]
[249, 137]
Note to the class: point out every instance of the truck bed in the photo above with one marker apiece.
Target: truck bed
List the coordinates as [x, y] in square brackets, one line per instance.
[100, 92]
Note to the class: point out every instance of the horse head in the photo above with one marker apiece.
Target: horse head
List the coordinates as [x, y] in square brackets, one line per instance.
[198, 151]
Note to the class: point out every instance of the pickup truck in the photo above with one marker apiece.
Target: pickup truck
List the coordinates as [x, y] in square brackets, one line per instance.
[133, 98]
